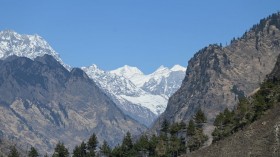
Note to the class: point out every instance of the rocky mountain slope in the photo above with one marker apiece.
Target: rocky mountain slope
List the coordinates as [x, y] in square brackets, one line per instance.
[217, 76]
[261, 138]
[42, 103]
[143, 103]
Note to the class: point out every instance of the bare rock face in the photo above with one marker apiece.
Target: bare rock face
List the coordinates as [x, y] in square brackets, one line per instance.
[42, 103]
[217, 76]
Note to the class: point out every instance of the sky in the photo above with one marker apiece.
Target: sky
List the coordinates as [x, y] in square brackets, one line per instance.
[141, 33]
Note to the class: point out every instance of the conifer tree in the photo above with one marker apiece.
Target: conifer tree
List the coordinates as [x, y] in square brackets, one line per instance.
[77, 152]
[152, 145]
[165, 126]
[200, 117]
[105, 149]
[92, 144]
[33, 152]
[127, 142]
[83, 149]
[142, 145]
[13, 152]
[60, 150]
[191, 128]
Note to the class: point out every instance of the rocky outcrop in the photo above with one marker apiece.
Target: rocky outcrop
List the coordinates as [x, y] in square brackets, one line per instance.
[42, 103]
[262, 137]
[217, 76]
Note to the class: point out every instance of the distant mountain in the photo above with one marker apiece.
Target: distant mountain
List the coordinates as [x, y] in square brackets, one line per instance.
[144, 100]
[217, 76]
[42, 103]
[119, 88]
[30, 46]
[143, 97]
[163, 81]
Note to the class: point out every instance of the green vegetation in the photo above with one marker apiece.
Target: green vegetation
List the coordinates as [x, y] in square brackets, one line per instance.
[13, 152]
[60, 150]
[174, 139]
[247, 111]
[33, 152]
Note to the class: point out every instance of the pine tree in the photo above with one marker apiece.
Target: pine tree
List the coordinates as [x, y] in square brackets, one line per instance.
[92, 144]
[200, 117]
[197, 140]
[191, 128]
[83, 149]
[105, 149]
[196, 137]
[33, 152]
[77, 152]
[13, 152]
[127, 142]
[60, 151]
[152, 145]
[174, 128]
[142, 145]
[165, 126]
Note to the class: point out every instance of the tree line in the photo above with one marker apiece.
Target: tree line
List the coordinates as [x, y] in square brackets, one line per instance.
[173, 140]
[248, 110]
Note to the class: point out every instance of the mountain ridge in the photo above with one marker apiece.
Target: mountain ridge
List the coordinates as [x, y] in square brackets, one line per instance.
[259, 137]
[133, 100]
[43, 103]
[217, 76]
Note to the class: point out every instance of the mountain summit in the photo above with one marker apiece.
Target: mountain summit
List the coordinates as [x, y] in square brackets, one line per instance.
[123, 85]
[30, 46]
[42, 103]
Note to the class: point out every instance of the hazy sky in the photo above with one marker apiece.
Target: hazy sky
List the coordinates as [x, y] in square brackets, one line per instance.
[142, 33]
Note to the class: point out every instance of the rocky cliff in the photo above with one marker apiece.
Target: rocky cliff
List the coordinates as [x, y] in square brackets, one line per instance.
[217, 76]
[42, 103]
[262, 137]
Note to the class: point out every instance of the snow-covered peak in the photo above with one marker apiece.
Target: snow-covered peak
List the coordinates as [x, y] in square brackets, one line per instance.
[30, 46]
[111, 83]
[162, 68]
[127, 71]
[93, 70]
[161, 72]
[178, 68]
[132, 73]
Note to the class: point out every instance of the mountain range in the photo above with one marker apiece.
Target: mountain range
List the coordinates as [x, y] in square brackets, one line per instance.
[218, 76]
[43, 103]
[44, 100]
[143, 97]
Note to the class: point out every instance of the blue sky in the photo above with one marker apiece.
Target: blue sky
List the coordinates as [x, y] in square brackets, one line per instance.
[142, 33]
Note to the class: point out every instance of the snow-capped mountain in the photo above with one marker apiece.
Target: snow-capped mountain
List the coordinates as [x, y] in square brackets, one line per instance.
[133, 101]
[163, 81]
[30, 46]
[143, 97]
[132, 73]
